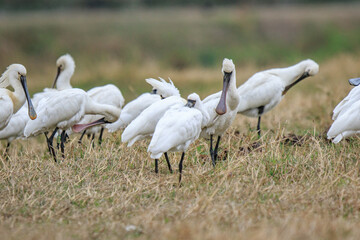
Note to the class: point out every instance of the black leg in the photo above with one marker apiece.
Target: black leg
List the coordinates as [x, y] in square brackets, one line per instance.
[101, 133]
[181, 165]
[258, 127]
[50, 143]
[168, 162]
[7, 151]
[212, 151]
[156, 165]
[92, 140]
[81, 137]
[62, 143]
[260, 111]
[216, 148]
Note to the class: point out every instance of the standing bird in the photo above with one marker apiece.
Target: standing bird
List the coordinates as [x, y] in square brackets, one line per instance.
[222, 112]
[65, 108]
[11, 102]
[144, 125]
[107, 94]
[264, 90]
[15, 127]
[161, 89]
[65, 65]
[178, 128]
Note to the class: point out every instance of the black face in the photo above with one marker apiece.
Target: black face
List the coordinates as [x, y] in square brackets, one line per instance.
[154, 91]
[190, 103]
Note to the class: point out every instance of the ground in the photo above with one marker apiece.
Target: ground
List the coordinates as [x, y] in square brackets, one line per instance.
[292, 183]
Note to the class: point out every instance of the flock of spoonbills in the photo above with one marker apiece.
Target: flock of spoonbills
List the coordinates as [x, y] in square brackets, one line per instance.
[171, 122]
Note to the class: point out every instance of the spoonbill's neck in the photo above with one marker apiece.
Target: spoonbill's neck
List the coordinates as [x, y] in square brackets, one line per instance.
[63, 81]
[18, 96]
[290, 74]
[206, 117]
[232, 99]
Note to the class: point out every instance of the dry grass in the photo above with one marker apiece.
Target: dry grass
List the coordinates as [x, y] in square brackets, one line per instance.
[283, 189]
[285, 186]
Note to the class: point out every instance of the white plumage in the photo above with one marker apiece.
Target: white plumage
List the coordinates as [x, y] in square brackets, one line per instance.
[11, 102]
[347, 102]
[161, 89]
[222, 110]
[178, 128]
[144, 125]
[16, 125]
[65, 108]
[346, 124]
[264, 90]
[107, 94]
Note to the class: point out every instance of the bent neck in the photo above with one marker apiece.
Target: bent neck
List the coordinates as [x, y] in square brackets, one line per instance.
[63, 81]
[232, 99]
[18, 96]
[290, 74]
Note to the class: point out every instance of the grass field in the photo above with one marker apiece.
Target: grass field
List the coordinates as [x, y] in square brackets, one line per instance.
[295, 185]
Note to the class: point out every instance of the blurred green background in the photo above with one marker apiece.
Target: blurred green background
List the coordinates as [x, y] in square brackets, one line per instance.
[123, 42]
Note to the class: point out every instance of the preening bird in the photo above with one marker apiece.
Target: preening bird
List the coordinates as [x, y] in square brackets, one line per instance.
[144, 125]
[161, 89]
[264, 90]
[222, 111]
[11, 102]
[107, 94]
[178, 128]
[65, 108]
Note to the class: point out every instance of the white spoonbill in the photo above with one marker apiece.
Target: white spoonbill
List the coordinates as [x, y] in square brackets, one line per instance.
[15, 127]
[349, 100]
[178, 128]
[11, 102]
[65, 108]
[161, 89]
[346, 124]
[346, 115]
[107, 94]
[222, 112]
[264, 90]
[144, 125]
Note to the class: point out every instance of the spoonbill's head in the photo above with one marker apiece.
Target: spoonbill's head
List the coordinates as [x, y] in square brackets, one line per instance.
[163, 88]
[63, 62]
[12, 73]
[193, 100]
[17, 72]
[311, 67]
[228, 69]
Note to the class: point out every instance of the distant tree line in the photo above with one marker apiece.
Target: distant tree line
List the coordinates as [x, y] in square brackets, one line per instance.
[69, 4]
